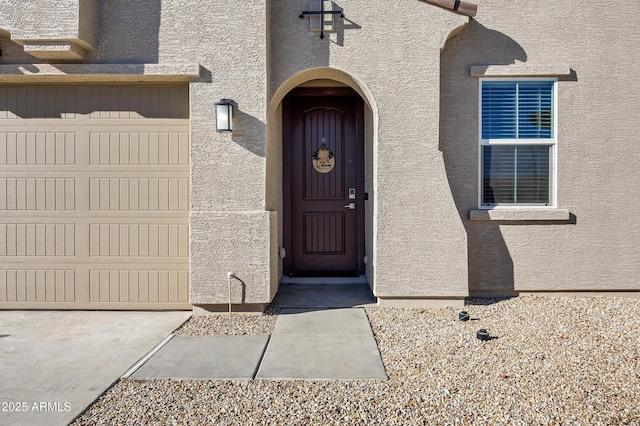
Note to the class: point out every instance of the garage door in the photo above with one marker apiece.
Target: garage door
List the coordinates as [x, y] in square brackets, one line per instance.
[94, 197]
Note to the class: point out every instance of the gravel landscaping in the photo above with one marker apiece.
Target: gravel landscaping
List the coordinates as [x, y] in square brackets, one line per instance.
[233, 325]
[549, 361]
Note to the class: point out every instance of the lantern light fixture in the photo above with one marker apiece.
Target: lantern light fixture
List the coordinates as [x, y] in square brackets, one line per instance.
[224, 115]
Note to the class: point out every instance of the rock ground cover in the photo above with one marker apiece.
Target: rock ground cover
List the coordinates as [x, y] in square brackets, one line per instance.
[225, 324]
[550, 361]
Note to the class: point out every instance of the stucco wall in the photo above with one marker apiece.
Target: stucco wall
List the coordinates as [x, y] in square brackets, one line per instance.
[420, 243]
[42, 19]
[237, 242]
[422, 143]
[229, 229]
[43, 22]
[598, 153]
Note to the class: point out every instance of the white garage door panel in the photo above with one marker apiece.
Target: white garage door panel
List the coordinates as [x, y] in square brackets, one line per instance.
[94, 197]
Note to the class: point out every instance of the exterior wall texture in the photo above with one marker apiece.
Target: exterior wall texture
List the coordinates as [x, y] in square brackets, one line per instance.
[411, 63]
[52, 29]
[410, 185]
[598, 122]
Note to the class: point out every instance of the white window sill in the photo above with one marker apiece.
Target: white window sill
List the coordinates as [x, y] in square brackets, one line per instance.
[520, 70]
[512, 215]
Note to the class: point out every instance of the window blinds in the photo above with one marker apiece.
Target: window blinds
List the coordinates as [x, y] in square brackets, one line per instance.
[515, 174]
[517, 110]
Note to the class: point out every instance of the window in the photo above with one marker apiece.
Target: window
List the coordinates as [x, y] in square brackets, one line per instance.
[517, 142]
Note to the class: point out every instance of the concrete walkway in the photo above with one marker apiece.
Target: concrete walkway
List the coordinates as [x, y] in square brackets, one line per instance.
[322, 345]
[307, 344]
[54, 364]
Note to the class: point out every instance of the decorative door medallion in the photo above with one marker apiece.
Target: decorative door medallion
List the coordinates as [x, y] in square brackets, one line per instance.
[323, 159]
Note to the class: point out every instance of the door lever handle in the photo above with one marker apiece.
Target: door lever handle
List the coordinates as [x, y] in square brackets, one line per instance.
[350, 206]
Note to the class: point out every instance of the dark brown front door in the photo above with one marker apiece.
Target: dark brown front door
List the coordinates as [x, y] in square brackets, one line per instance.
[323, 185]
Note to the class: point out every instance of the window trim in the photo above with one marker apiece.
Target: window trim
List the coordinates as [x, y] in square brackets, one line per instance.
[552, 142]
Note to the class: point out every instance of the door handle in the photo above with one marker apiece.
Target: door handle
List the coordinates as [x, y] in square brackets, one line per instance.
[350, 206]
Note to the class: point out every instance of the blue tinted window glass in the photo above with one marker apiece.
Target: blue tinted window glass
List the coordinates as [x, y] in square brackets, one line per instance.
[515, 174]
[517, 110]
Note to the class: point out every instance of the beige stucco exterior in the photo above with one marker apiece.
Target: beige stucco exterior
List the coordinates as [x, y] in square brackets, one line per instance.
[52, 29]
[417, 68]
[592, 49]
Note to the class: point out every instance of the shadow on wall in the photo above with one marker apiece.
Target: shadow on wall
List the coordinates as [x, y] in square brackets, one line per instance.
[295, 47]
[490, 264]
[342, 25]
[128, 31]
[13, 53]
[491, 269]
[99, 102]
[245, 129]
[242, 297]
[245, 126]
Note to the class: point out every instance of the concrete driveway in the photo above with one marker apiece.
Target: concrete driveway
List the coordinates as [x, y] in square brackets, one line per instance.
[54, 364]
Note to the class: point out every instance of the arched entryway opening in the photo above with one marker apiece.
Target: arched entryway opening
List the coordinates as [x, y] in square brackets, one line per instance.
[321, 175]
[323, 182]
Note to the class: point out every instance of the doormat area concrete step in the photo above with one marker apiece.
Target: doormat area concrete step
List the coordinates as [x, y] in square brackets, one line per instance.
[323, 296]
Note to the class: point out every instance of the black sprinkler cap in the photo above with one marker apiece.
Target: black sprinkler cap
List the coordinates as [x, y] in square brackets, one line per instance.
[483, 334]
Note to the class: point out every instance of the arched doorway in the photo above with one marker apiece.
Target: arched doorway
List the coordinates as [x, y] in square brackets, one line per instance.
[324, 190]
[334, 83]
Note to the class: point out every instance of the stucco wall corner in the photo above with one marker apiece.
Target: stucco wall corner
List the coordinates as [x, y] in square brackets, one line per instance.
[53, 30]
[88, 22]
[274, 255]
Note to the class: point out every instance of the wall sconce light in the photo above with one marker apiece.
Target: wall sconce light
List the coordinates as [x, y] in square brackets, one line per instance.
[224, 115]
